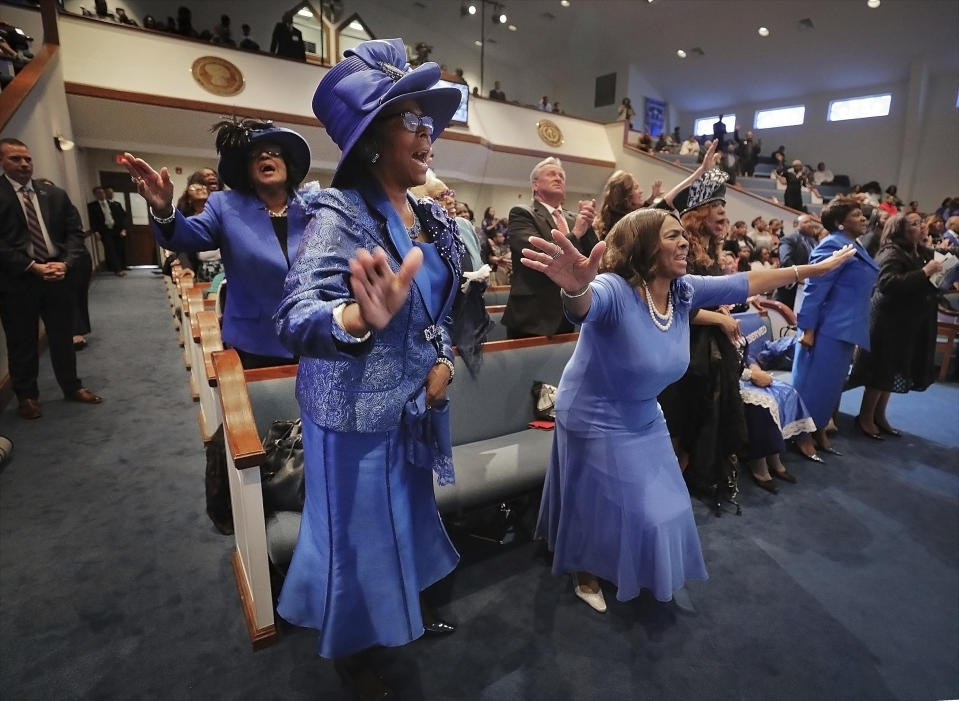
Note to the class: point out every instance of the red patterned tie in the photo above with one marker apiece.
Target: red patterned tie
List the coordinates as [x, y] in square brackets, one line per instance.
[39, 244]
[561, 221]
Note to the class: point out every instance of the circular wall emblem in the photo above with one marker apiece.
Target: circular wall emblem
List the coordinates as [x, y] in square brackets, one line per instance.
[549, 132]
[218, 76]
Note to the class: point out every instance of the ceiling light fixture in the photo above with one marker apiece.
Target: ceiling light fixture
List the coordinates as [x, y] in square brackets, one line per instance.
[304, 12]
[478, 42]
[512, 27]
[681, 53]
[467, 8]
[763, 32]
[872, 4]
[564, 3]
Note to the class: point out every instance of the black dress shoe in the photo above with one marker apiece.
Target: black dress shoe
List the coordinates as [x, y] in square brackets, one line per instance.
[439, 628]
[361, 678]
[768, 485]
[785, 476]
[875, 436]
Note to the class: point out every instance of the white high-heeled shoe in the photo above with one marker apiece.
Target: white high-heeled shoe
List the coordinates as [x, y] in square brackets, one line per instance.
[594, 599]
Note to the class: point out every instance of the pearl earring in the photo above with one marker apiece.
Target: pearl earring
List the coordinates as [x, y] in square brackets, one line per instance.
[374, 157]
[841, 227]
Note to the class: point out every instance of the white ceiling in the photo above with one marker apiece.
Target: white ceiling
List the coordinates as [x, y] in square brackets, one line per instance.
[850, 46]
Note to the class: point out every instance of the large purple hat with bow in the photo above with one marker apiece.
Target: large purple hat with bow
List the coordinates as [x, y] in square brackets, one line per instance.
[370, 77]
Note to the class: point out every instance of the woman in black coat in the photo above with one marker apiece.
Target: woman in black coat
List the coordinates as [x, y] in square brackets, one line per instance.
[902, 325]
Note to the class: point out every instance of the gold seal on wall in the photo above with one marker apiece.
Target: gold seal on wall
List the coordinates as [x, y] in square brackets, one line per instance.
[549, 132]
[218, 76]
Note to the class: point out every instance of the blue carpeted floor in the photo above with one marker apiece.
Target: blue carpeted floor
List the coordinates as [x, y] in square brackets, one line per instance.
[114, 585]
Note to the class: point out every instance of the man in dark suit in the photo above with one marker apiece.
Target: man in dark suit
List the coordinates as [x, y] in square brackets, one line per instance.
[794, 249]
[287, 40]
[41, 241]
[108, 219]
[534, 307]
[719, 133]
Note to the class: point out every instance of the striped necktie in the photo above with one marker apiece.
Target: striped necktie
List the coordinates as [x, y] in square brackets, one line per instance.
[561, 221]
[39, 244]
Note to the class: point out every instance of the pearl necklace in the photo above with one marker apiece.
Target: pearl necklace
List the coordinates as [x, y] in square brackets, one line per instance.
[281, 213]
[660, 321]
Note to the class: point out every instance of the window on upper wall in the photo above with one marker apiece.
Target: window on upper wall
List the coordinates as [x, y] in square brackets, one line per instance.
[705, 125]
[859, 108]
[780, 117]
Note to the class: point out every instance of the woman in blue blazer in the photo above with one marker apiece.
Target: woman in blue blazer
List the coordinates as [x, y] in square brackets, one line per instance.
[834, 318]
[366, 307]
[257, 225]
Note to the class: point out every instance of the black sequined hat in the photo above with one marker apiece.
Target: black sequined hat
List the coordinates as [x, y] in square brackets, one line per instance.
[710, 187]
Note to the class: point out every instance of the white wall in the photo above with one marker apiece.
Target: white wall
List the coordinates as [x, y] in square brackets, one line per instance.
[937, 174]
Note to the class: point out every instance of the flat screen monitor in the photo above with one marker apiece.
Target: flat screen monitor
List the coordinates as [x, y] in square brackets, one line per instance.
[462, 112]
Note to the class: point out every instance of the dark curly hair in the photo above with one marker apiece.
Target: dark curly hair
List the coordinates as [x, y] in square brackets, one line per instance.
[615, 202]
[837, 211]
[633, 245]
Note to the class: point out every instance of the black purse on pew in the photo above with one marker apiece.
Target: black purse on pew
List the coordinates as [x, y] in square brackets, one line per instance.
[281, 474]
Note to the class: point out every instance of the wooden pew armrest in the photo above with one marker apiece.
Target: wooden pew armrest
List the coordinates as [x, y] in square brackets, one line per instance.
[239, 426]
[210, 341]
[788, 314]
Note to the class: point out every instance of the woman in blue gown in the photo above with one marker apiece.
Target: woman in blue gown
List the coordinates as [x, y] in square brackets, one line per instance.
[614, 503]
[366, 307]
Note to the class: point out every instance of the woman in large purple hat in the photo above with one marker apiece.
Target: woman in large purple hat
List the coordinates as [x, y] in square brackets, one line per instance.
[366, 308]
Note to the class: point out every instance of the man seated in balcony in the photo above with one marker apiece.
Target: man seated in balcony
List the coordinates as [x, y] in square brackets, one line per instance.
[822, 174]
[690, 146]
[497, 93]
[534, 307]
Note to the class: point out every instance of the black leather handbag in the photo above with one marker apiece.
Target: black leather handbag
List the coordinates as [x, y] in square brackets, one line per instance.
[281, 474]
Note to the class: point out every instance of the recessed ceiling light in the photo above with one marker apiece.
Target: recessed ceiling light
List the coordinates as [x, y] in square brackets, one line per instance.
[304, 12]
[471, 9]
[478, 42]
[872, 3]
[763, 32]
[564, 3]
[512, 27]
[681, 53]
[503, 18]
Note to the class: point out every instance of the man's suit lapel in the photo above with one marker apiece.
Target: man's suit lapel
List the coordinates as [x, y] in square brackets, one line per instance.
[9, 193]
[46, 207]
[544, 221]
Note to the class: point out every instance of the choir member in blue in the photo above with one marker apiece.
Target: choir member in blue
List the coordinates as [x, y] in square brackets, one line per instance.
[366, 307]
[834, 317]
[614, 504]
[257, 226]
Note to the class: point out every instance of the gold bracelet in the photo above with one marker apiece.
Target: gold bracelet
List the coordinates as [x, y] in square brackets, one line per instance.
[796, 271]
[567, 295]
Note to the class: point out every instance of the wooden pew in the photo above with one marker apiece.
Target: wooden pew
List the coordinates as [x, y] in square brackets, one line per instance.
[947, 330]
[209, 342]
[496, 295]
[249, 401]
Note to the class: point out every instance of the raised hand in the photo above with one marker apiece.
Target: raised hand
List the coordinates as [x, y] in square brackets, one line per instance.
[709, 160]
[156, 188]
[562, 263]
[378, 290]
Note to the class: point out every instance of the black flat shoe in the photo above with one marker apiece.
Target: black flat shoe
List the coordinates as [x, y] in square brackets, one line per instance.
[768, 485]
[439, 628]
[888, 430]
[785, 476]
[814, 457]
[831, 451]
[870, 434]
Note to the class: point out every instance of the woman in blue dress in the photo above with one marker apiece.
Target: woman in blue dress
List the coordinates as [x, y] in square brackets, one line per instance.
[366, 307]
[614, 504]
[834, 317]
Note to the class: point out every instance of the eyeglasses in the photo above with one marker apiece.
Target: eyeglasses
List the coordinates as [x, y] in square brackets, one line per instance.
[451, 194]
[257, 152]
[412, 121]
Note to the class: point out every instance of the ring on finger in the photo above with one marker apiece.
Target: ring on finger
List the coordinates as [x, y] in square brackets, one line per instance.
[557, 252]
